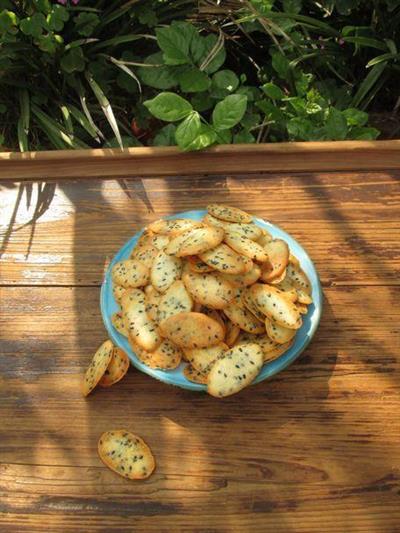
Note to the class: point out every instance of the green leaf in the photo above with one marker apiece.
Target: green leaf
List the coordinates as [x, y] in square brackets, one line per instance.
[169, 107]
[281, 65]
[188, 131]
[85, 23]
[250, 120]
[366, 41]
[127, 141]
[105, 106]
[355, 117]
[34, 25]
[49, 43]
[82, 120]
[3, 108]
[336, 125]
[193, 80]
[202, 102]
[271, 111]
[368, 83]
[224, 137]
[302, 83]
[273, 91]
[192, 135]
[24, 108]
[8, 21]
[380, 59]
[56, 18]
[252, 93]
[225, 80]
[292, 6]
[364, 134]
[166, 136]
[159, 77]
[218, 59]
[2, 139]
[43, 5]
[73, 61]
[146, 16]
[174, 41]
[229, 111]
[22, 136]
[300, 129]
[243, 137]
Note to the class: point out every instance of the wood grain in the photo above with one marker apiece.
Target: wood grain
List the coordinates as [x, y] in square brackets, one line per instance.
[348, 223]
[169, 161]
[314, 450]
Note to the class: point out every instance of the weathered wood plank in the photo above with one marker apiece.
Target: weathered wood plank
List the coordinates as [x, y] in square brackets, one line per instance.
[348, 222]
[314, 450]
[169, 161]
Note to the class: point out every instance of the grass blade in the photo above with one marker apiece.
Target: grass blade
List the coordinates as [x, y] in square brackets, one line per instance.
[368, 83]
[122, 39]
[366, 41]
[67, 120]
[82, 98]
[127, 70]
[105, 106]
[379, 59]
[82, 120]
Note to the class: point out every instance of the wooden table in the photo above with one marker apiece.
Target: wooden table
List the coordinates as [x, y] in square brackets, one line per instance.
[316, 449]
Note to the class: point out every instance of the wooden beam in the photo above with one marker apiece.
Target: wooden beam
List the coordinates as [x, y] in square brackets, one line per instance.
[223, 159]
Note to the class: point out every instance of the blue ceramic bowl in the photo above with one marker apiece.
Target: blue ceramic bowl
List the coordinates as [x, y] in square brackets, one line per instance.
[176, 377]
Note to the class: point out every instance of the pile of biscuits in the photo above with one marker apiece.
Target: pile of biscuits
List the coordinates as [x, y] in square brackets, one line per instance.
[220, 294]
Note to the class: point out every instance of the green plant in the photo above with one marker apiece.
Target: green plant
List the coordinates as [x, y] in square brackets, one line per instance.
[101, 74]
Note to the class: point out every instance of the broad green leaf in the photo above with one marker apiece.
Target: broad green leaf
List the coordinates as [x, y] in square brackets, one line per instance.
[250, 120]
[73, 61]
[302, 83]
[8, 21]
[188, 130]
[336, 125]
[146, 15]
[271, 111]
[174, 41]
[34, 25]
[169, 107]
[43, 5]
[198, 47]
[161, 76]
[281, 65]
[49, 42]
[202, 102]
[229, 111]
[252, 93]
[225, 80]
[56, 18]
[364, 134]
[243, 137]
[300, 129]
[191, 134]
[166, 136]
[85, 23]
[355, 117]
[273, 91]
[292, 6]
[193, 80]
[224, 137]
